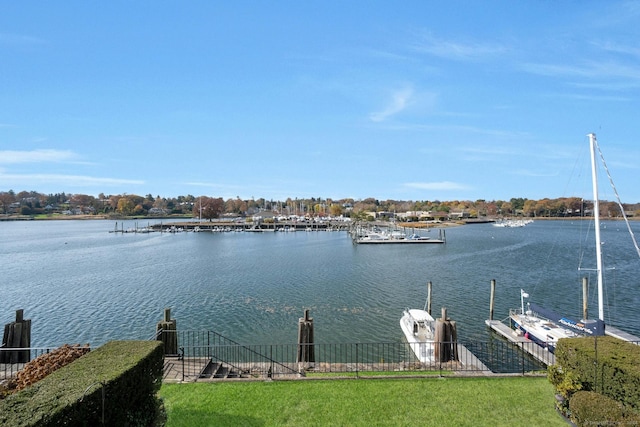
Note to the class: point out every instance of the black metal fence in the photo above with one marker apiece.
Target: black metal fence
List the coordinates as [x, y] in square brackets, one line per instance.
[12, 360]
[206, 354]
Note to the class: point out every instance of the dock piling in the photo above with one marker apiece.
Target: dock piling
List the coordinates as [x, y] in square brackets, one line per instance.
[166, 331]
[446, 337]
[17, 335]
[306, 352]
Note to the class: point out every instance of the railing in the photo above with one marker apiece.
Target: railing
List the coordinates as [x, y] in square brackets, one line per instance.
[12, 360]
[198, 348]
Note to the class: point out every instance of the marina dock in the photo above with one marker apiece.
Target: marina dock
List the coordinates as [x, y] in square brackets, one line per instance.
[470, 361]
[621, 335]
[392, 235]
[541, 354]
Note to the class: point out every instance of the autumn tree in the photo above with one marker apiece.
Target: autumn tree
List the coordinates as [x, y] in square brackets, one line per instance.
[528, 207]
[236, 206]
[125, 206]
[6, 198]
[506, 208]
[81, 200]
[209, 207]
[335, 209]
[517, 203]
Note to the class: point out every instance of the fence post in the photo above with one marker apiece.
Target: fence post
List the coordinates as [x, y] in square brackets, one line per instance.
[357, 361]
[270, 372]
[182, 354]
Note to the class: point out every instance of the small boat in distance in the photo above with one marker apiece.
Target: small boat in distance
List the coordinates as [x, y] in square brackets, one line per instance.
[512, 222]
[419, 329]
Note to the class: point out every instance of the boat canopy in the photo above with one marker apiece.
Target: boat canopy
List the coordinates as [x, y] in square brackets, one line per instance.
[585, 327]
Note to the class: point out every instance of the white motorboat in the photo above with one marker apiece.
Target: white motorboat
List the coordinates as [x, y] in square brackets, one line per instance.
[419, 329]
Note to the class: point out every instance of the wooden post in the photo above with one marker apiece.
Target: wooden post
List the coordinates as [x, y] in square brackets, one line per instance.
[445, 339]
[429, 297]
[306, 352]
[493, 295]
[166, 331]
[17, 335]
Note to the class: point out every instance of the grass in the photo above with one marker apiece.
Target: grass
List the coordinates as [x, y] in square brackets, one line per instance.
[377, 374]
[475, 401]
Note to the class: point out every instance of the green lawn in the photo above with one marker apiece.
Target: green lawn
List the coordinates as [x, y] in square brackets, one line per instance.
[476, 401]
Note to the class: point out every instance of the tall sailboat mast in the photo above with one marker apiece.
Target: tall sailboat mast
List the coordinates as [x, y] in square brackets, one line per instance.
[596, 219]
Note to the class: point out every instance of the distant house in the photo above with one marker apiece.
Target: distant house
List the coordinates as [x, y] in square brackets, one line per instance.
[385, 215]
[157, 211]
[434, 216]
[14, 207]
[459, 215]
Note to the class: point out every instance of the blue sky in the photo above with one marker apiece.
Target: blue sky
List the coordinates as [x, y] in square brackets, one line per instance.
[411, 100]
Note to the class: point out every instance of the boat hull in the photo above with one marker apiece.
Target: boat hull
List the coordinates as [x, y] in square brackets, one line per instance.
[417, 326]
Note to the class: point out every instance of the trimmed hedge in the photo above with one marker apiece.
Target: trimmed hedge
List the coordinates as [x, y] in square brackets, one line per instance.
[605, 365]
[598, 379]
[593, 409]
[128, 372]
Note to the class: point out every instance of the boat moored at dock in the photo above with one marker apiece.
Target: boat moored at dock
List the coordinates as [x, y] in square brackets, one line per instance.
[418, 327]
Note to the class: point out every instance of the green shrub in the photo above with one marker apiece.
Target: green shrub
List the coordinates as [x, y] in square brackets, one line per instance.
[593, 409]
[605, 365]
[129, 373]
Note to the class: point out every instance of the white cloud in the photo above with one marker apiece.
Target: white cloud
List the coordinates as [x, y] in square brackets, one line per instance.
[534, 173]
[36, 156]
[618, 48]
[458, 50]
[589, 70]
[67, 180]
[442, 185]
[399, 101]
[19, 39]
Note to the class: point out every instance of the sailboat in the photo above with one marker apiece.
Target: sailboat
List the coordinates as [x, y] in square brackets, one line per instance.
[545, 327]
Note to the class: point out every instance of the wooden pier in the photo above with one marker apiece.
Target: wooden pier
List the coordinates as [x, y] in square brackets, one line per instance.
[542, 354]
[539, 353]
[231, 226]
[621, 335]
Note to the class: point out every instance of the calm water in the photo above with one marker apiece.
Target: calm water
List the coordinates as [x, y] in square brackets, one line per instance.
[81, 284]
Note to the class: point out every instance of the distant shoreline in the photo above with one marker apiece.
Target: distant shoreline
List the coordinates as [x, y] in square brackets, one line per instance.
[402, 224]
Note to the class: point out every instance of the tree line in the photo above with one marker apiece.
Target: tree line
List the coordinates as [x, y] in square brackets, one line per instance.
[32, 203]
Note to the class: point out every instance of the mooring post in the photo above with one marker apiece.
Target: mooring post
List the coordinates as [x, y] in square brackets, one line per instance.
[17, 335]
[429, 297]
[491, 301]
[166, 331]
[306, 352]
[445, 339]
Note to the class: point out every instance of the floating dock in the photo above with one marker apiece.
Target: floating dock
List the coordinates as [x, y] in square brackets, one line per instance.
[621, 335]
[542, 354]
[539, 353]
[396, 241]
[398, 235]
[470, 361]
